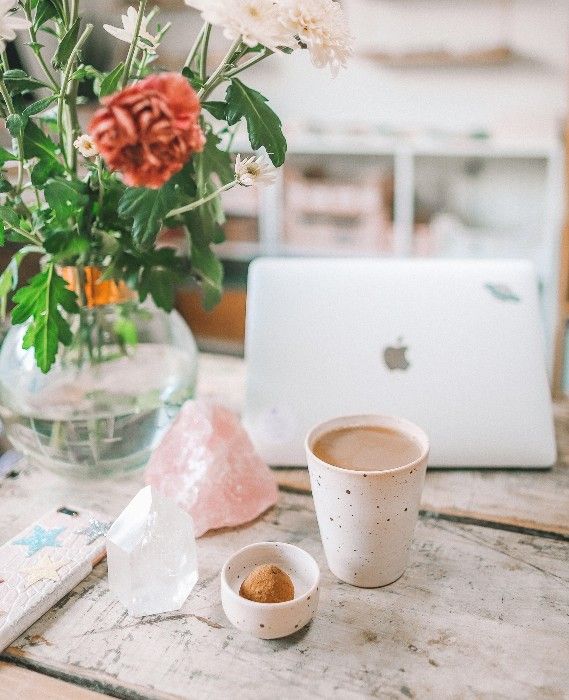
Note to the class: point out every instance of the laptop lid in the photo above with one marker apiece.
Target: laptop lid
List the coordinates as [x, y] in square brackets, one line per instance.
[455, 346]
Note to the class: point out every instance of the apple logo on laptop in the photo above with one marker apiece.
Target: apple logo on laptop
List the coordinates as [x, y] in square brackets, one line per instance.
[395, 356]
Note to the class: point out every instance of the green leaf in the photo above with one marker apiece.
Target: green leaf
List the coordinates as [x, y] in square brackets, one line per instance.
[8, 215]
[5, 185]
[39, 106]
[15, 124]
[66, 198]
[213, 161]
[159, 276]
[37, 144]
[217, 109]
[9, 278]
[209, 272]
[66, 245]
[263, 125]
[193, 77]
[5, 156]
[110, 82]
[85, 72]
[43, 170]
[18, 81]
[46, 10]
[184, 181]
[66, 45]
[147, 208]
[41, 301]
[205, 223]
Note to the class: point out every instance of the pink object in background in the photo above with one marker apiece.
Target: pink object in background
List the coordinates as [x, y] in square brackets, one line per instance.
[208, 465]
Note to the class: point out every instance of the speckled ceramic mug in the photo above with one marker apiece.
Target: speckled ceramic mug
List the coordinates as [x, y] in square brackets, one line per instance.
[367, 518]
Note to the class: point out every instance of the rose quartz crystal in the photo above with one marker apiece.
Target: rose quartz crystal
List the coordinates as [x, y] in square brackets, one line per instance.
[208, 465]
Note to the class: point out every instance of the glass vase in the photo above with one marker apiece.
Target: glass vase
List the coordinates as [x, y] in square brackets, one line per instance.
[110, 396]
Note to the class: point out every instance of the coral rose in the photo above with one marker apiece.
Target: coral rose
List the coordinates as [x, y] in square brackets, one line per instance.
[148, 131]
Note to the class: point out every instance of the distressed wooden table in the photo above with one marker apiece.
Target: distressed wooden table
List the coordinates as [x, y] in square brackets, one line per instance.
[482, 611]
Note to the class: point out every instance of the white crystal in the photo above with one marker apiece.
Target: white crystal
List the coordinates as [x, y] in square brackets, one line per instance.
[151, 554]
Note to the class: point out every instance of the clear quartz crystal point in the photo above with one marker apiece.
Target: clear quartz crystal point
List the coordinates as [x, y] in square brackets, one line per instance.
[151, 554]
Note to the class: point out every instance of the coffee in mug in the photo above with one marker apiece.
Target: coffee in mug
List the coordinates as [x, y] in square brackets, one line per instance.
[366, 448]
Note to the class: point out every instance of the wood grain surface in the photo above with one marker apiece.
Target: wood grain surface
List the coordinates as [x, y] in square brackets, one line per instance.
[481, 612]
[17, 682]
[478, 613]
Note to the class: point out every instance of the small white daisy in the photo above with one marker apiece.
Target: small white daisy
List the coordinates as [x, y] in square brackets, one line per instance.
[146, 41]
[255, 170]
[84, 144]
[10, 23]
[255, 21]
[320, 26]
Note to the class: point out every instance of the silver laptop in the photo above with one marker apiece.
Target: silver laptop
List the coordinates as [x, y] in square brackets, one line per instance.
[455, 346]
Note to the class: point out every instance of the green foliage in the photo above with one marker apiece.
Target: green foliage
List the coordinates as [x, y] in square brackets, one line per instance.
[8, 217]
[212, 168]
[19, 82]
[41, 302]
[39, 106]
[209, 272]
[193, 78]
[66, 198]
[110, 82]
[5, 156]
[9, 278]
[218, 109]
[263, 125]
[147, 209]
[66, 45]
[46, 10]
[15, 124]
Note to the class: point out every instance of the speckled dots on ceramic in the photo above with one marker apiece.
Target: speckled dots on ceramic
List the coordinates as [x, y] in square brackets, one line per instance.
[271, 620]
[367, 519]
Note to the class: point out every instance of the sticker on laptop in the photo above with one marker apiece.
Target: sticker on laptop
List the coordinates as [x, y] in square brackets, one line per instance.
[278, 425]
[502, 292]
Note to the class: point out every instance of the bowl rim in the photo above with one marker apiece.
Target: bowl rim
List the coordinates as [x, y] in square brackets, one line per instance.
[253, 603]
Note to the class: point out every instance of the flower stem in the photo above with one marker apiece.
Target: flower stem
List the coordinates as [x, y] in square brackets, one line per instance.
[203, 53]
[10, 107]
[244, 66]
[200, 202]
[100, 178]
[133, 44]
[25, 234]
[196, 46]
[37, 50]
[63, 97]
[218, 75]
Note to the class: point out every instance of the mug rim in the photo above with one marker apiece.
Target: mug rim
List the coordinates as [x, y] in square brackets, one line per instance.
[360, 419]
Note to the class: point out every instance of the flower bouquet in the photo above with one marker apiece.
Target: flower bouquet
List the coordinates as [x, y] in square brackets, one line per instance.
[93, 202]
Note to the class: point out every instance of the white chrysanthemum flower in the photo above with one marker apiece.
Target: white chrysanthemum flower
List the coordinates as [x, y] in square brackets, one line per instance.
[255, 170]
[10, 23]
[322, 27]
[85, 145]
[255, 21]
[146, 41]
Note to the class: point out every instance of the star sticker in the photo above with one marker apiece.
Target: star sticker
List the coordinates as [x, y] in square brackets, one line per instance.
[95, 529]
[43, 569]
[40, 538]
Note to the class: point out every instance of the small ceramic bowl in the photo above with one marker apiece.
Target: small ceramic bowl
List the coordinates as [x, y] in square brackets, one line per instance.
[271, 620]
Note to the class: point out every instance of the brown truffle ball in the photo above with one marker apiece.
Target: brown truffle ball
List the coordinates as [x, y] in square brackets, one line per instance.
[267, 584]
